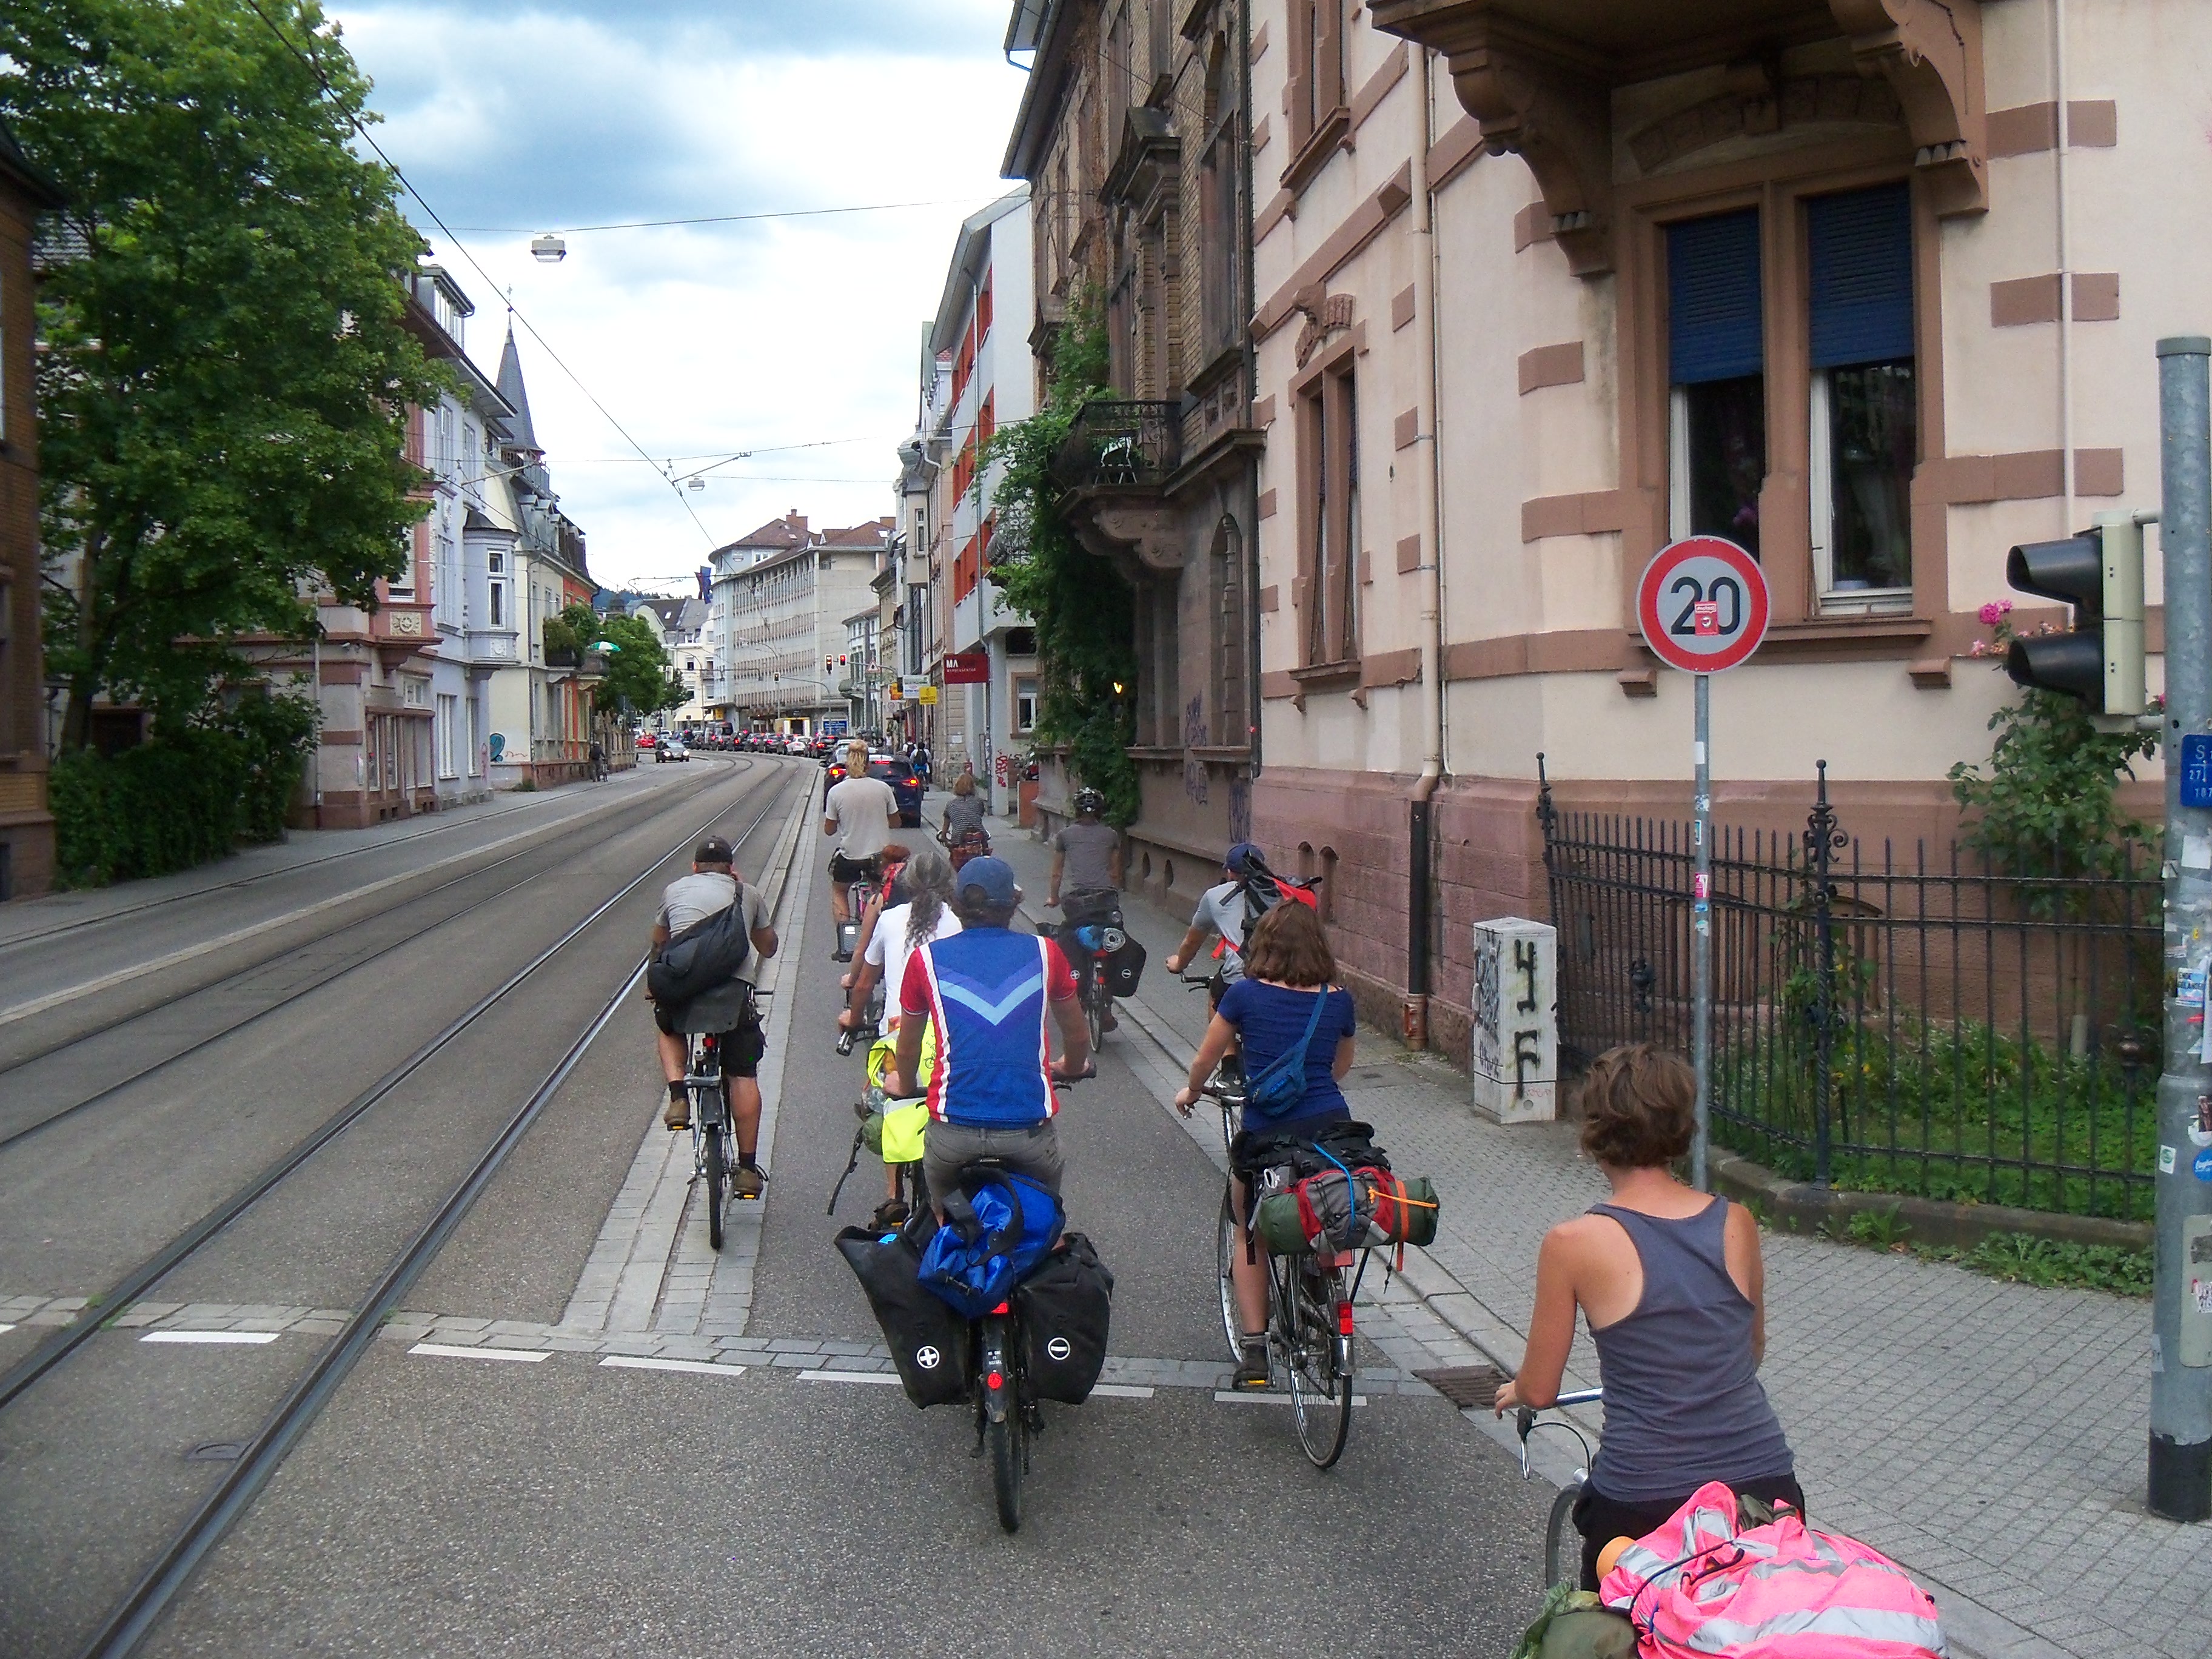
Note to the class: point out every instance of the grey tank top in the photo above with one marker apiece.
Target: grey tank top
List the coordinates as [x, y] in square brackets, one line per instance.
[1683, 1403]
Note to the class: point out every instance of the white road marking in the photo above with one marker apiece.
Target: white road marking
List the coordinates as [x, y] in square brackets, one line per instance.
[447, 1351]
[4, 1329]
[698, 1367]
[891, 1377]
[1225, 1397]
[1121, 1391]
[241, 1338]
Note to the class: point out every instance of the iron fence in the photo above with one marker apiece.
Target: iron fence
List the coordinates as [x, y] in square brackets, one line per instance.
[1883, 1019]
[1117, 441]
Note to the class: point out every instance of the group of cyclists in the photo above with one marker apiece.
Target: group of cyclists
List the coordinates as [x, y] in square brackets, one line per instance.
[1667, 1279]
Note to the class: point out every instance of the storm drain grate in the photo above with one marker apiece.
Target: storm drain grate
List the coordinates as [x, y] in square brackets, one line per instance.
[1466, 1386]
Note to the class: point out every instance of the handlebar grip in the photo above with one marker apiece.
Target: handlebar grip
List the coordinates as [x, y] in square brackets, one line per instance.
[1523, 1420]
[845, 1042]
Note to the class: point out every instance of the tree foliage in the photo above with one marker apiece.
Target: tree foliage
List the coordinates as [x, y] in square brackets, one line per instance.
[2047, 802]
[1083, 608]
[639, 671]
[224, 387]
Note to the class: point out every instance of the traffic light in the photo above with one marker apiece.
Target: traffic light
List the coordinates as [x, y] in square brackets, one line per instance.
[2100, 573]
[829, 664]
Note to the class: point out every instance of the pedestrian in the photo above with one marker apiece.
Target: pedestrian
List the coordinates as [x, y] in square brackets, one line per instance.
[1670, 1282]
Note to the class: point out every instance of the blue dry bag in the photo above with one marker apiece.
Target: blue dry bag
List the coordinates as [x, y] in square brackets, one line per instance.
[975, 1261]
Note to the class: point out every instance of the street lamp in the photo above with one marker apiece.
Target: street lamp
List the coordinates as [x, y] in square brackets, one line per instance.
[548, 249]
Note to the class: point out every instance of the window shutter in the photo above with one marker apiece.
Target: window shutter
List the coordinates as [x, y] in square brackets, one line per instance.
[1713, 330]
[1861, 246]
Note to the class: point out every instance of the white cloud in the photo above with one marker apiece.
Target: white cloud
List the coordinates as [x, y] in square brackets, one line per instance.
[701, 339]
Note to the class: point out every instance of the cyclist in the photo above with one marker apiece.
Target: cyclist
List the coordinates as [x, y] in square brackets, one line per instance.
[962, 829]
[858, 811]
[914, 908]
[1226, 909]
[1086, 861]
[891, 890]
[988, 993]
[1669, 1281]
[1287, 963]
[712, 887]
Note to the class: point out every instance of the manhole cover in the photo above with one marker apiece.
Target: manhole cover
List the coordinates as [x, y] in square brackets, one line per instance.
[1466, 1386]
[216, 1451]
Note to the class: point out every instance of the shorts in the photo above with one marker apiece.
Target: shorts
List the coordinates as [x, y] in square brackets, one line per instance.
[1033, 1151]
[1601, 1519]
[842, 869]
[742, 1046]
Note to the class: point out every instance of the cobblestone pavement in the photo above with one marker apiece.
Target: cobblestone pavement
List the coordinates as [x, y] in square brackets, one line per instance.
[1990, 1436]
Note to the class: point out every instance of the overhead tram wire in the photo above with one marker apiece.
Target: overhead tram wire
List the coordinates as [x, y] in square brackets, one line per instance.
[718, 218]
[315, 68]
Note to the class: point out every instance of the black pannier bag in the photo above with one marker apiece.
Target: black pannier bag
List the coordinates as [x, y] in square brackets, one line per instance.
[1124, 968]
[929, 1340]
[1067, 1311]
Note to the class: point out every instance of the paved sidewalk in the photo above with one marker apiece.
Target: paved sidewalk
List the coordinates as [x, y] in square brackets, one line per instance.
[1990, 1436]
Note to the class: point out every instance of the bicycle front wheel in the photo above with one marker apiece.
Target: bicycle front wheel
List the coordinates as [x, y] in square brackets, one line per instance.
[1321, 1397]
[1228, 1241]
[718, 1181]
[1562, 1545]
[1009, 1451]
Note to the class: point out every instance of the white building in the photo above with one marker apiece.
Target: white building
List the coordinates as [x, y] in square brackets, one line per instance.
[680, 625]
[781, 597]
[980, 330]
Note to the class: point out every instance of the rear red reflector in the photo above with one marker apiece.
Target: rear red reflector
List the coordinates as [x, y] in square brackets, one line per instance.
[1344, 1319]
[995, 1380]
[1000, 1308]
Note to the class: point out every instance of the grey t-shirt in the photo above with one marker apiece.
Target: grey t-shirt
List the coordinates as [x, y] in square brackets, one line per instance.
[862, 808]
[963, 814]
[1221, 910]
[689, 899]
[1088, 849]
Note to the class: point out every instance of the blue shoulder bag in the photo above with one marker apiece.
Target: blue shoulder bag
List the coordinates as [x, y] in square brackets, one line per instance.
[1283, 1084]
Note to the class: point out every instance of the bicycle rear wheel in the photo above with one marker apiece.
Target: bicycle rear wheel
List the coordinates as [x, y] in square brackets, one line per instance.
[1321, 1398]
[1562, 1545]
[1008, 1443]
[718, 1181]
[1228, 1238]
[1094, 1006]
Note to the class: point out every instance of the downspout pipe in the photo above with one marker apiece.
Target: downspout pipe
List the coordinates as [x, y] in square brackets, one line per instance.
[1249, 300]
[1420, 914]
[2061, 91]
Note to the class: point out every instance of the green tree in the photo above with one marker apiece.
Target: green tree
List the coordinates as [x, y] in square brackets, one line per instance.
[639, 671]
[1083, 608]
[223, 394]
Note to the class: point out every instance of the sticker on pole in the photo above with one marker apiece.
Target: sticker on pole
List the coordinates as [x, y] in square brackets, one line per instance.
[1703, 604]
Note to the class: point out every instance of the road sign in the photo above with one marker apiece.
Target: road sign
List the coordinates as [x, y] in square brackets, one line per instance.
[1703, 604]
[926, 695]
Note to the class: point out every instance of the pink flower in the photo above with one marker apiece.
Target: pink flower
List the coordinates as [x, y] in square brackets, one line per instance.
[1979, 648]
[1994, 612]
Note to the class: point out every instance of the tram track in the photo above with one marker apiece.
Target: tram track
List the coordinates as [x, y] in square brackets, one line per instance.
[653, 806]
[132, 1616]
[317, 982]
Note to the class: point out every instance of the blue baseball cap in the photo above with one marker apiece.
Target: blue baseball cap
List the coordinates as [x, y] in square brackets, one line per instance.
[1241, 857]
[995, 879]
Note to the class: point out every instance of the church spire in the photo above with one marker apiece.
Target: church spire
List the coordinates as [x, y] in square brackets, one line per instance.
[520, 434]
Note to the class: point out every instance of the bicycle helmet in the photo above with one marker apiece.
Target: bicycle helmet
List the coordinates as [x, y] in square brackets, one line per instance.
[1089, 803]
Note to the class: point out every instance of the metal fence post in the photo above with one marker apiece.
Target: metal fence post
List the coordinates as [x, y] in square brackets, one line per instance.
[2181, 1322]
[1822, 837]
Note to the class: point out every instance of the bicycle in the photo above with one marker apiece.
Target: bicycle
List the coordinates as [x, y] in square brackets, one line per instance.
[860, 894]
[1309, 1305]
[714, 1129]
[1562, 1561]
[1096, 933]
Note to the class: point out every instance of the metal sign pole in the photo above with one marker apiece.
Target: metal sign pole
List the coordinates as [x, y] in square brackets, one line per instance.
[2180, 1485]
[1701, 930]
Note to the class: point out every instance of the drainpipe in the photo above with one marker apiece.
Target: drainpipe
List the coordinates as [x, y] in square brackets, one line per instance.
[1252, 702]
[1420, 913]
[2060, 88]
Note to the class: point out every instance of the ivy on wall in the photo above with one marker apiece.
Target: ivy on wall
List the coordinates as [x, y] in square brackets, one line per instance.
[1083, 608]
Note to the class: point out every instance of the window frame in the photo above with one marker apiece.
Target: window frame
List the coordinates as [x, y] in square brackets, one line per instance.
[1329, 522]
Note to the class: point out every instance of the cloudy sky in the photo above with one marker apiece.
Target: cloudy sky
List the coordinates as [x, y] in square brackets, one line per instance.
[513, 116]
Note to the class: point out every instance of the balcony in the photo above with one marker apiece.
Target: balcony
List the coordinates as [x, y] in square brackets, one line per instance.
[1538, 74]
[1121, 445]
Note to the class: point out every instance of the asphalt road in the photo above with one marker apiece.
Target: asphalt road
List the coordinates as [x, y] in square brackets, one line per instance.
[565, 1507]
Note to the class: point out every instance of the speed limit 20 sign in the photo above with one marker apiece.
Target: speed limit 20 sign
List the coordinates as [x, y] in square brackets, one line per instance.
[1702, 604]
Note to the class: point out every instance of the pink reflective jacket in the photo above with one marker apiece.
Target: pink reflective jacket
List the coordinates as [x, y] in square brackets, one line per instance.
[1703, 1585]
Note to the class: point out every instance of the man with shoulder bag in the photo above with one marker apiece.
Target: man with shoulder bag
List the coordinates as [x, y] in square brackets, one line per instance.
[710, 929]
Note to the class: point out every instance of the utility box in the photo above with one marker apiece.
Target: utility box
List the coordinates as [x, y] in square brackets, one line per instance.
[1516, 1051]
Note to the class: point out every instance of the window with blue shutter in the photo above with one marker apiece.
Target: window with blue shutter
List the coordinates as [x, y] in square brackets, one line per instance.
[1713, 322]
[1861, 249]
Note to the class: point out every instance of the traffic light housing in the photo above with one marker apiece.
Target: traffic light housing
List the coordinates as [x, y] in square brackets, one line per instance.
[2100, 573]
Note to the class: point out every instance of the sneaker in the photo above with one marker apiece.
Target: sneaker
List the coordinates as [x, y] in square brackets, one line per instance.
[1253, 1371]
[679, 1115]
[747, 1182]
[892, 1213]
[1107, 1022]
[840, 955]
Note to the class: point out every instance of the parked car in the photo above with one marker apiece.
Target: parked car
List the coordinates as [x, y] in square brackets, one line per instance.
[905, 783]
[671, 749]
[646, 740]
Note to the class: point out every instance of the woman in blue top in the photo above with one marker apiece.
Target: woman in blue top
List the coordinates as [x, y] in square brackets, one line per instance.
[1287, 963]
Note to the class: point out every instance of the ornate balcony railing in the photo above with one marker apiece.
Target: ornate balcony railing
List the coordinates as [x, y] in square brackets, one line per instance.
[1118, 443]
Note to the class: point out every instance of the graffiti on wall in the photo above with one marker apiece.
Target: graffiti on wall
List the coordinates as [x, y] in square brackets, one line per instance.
[1240, 810]
[1195, 782]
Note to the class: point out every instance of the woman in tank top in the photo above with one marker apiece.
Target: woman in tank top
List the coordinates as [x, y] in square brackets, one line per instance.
[1669, 1280]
